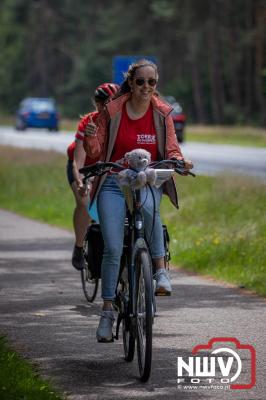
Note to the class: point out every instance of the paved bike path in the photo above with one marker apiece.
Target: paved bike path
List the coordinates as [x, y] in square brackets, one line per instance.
[45, 316]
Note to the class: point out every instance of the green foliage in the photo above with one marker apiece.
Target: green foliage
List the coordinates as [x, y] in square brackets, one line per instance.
[12, 60]
[18, 380]
[209, 50]
[184, 90]
[163, 9]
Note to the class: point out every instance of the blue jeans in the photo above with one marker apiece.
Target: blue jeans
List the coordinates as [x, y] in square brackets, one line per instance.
[112, 210]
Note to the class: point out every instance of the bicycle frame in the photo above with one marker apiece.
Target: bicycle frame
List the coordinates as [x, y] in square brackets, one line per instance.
[136, 240]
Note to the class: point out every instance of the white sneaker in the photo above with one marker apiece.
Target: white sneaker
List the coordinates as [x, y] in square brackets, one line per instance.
[163, 285]
[104, 332]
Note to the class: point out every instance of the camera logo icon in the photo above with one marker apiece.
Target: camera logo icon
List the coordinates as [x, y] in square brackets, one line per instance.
[225, 362]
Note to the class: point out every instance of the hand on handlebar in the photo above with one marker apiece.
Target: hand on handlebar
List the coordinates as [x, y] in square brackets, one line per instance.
[183, 167]
[188, 164]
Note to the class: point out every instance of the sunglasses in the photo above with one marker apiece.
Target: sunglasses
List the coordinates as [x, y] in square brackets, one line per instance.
[141, 81]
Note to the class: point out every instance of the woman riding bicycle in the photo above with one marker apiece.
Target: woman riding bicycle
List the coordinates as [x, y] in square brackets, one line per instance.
[76, 159]
[135, 118]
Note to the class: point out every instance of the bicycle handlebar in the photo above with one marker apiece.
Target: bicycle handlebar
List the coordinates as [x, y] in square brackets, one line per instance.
[100, 168]
[178, 165]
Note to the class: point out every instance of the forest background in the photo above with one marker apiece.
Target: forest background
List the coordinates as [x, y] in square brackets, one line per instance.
[211, 53]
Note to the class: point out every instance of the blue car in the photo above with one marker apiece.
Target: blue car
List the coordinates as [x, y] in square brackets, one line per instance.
[37, 112]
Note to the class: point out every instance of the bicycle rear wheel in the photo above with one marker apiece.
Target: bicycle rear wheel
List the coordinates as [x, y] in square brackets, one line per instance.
[89, 283]
[144, 317]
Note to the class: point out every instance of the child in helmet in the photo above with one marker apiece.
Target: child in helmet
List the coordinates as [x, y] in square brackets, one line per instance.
[77, 158]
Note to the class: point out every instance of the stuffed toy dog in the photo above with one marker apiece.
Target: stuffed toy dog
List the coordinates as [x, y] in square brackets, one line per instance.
[138, 174]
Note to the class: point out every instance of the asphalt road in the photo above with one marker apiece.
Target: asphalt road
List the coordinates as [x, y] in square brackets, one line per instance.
[209, 159]
[46, 318]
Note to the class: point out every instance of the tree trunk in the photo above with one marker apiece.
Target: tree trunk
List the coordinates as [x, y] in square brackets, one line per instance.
[215, 67]
[38, 49]
[248, 57]
[234, 63]
[194, 60]
[260, 57]
[198, 94]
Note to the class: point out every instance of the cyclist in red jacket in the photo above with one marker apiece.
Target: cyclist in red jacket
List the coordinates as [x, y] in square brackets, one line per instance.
[77, 158]
[135, 118]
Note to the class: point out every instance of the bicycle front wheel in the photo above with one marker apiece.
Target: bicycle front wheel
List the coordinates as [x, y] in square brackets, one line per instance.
[144, 317]
[128, 337]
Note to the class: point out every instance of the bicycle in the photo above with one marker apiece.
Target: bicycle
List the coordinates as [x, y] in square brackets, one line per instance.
[135, 300]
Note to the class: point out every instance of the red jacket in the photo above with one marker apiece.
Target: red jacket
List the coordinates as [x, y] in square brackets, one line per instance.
[101, 144]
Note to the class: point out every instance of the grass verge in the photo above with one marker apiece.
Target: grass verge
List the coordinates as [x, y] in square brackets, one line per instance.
[34, 184]
[236, 135]
[18, 380]
[219, 230]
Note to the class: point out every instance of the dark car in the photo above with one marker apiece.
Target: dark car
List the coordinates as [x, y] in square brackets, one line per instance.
[179, 118]
[37, 112]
